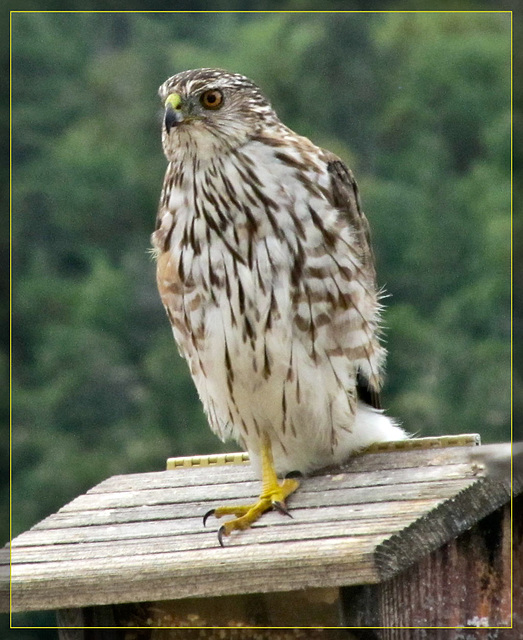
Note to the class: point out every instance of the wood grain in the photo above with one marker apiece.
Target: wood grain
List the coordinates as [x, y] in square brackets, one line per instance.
[466, 584]
[140, 537]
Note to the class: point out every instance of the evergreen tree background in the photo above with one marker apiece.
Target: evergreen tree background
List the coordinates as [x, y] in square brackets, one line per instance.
[417, 104]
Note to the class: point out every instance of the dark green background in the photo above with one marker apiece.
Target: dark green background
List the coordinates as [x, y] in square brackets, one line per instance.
[417, 104]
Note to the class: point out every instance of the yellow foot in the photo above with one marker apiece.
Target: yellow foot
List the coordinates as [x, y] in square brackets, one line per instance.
[246, 515]
[273, 496]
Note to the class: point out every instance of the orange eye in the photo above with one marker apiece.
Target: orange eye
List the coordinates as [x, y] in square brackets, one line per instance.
[212, 99]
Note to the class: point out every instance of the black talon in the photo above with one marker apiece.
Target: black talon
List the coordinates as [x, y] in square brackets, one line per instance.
[281, 508]
[220, 535]
[294, 474]
[209, 513]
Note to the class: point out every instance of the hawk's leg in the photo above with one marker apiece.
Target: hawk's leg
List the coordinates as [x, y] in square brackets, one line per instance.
[273, 496]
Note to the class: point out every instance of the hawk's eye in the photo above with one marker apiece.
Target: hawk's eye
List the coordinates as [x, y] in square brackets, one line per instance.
[212, 99]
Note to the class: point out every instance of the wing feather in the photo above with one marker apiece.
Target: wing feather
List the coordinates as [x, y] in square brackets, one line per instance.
[345, 197]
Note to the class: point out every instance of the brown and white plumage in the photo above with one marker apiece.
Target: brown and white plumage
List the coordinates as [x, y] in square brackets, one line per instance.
[266, 272]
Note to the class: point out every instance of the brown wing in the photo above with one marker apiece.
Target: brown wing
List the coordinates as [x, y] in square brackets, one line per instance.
[345, 197]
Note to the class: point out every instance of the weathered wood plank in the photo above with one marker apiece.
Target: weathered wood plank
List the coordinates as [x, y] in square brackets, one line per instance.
[208, 476]
[150, 530]
[247, 492]
[258, 568]
[61, 520]
[447, 520]
[163, 481]
[177, 478]
[434, 593]
[407, 459]
[162, 543]
[239, 473]
[335, 497]
[140, 537]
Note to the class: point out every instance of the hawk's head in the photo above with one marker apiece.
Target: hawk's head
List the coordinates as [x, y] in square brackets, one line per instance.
[211, 110]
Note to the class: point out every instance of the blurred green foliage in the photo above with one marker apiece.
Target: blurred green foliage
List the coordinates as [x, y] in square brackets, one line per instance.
[417, 104]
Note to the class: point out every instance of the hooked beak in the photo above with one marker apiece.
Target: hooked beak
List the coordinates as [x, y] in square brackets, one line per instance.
[173, 112]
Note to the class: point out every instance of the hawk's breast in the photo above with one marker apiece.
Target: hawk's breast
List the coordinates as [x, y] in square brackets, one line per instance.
[267, 298]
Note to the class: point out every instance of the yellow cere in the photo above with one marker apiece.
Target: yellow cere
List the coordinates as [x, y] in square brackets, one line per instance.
[174, 101]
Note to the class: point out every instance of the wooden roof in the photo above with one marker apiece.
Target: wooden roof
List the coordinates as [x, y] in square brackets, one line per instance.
[140, 537]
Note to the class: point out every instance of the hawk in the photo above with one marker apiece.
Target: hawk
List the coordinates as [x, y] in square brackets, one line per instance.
[265, 270]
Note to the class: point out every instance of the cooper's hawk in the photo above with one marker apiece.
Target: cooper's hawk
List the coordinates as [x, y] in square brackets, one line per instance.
[266, 272]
